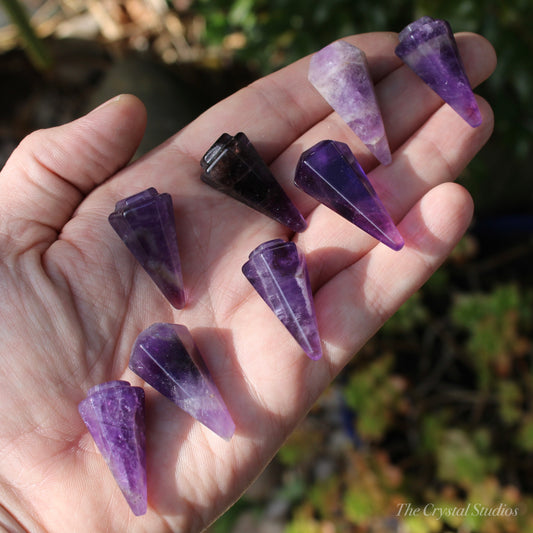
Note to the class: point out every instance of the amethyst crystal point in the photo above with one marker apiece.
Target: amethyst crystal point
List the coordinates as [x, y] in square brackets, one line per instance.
[145, 222]
[233, 166]
[114, 414]
[428, 47]
[340, 74]
[278, 272]
[330, 173]
[166, 357]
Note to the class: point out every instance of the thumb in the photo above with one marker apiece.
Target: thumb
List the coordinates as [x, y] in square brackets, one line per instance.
[52, 170]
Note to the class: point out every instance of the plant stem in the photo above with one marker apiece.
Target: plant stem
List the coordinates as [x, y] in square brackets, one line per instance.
[35, 48]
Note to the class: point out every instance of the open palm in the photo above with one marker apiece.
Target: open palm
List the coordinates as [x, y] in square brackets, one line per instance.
[74, 299]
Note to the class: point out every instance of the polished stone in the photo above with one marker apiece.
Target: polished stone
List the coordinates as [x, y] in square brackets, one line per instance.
[278, 272]
[233, 166]
[330, 173]
[145, 222]
[340, 74]
[114, 415]
[428, 47]
[166, 357]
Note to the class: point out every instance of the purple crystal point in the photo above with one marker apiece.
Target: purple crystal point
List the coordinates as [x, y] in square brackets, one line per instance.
[166, 357]
[278, 272]
[339, 72]
[145, 222]
[428, 47]
[233, 166]
[331, 174]
[114, 414]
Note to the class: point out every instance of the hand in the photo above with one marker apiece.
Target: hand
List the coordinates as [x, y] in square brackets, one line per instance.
[74, 299]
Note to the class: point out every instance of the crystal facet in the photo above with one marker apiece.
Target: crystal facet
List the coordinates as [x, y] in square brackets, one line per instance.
[166, 357]
[114, 415]
[331, 174]
[428, 47]
[340, 74]
[145, 222]
[278, 272]
[233, 166]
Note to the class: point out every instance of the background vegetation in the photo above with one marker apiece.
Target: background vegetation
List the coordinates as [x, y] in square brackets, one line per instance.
[437, 409]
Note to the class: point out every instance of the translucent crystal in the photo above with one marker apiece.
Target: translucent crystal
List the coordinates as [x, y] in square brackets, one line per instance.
[278, 272]
[428, 47]
[233, 166]
[114, 415]
[340, 74]
[331, 174]
[166, 357]
[145, 222]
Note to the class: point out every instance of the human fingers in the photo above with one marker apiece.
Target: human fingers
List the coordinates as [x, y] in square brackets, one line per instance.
[51, 171]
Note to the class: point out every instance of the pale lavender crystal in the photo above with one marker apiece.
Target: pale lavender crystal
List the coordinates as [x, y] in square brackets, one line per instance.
[166, 357]
[278, 272]
[428, 47]
[145, 222]
[331, 174]
[340, 74]
[114, 415]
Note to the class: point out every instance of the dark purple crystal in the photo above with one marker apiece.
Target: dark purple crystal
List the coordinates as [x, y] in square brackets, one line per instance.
[114, 415]
[166, 357]
[233, 166]
[330, 173]
[145, 222]
[428, 47]
[340, 73]
[278, 272]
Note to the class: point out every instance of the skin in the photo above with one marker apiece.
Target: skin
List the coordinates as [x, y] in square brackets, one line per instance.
[74, 300]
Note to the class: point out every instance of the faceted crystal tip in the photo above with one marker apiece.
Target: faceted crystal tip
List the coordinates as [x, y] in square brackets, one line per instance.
[145, 222]
[233, 166]
[166, 357]
[278, 272]
[428, 47]
[339, 72]
[331, 174]
[114, 415]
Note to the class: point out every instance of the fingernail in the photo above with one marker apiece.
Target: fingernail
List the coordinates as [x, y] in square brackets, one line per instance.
[113, 100]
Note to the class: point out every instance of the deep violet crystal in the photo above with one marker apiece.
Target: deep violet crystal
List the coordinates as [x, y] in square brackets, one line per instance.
[429, 48]
[278, 272]
[331, 174]
[145, 223]
[167, 358]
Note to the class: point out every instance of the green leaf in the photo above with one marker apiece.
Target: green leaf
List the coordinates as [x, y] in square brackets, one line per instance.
[524, 438]
[465, 458]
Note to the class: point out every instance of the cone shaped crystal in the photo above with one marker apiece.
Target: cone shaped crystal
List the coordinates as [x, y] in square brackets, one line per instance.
[278, 272]
[233, 166]
[114, 415]
[330, 173]
[145, 222]
[166, 357]
[428, 47]
[339, 72]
